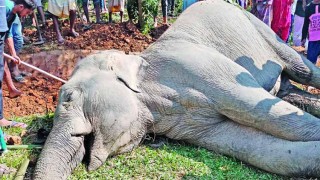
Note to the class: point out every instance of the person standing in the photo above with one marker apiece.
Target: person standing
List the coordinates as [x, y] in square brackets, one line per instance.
[298, 21]
[311, 28]
[116, 6]
[262, 9]
[63, 8]
[171, 7]
[96, 4]
[281, 20]
[21, 8]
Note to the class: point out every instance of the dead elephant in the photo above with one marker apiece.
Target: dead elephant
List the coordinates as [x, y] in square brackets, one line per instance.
[215, 79]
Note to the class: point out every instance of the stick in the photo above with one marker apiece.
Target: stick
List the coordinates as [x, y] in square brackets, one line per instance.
[22, 170]
[31, 146]
[35, 68]
[38, 29]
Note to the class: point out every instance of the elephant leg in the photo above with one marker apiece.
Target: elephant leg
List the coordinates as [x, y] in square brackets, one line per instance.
[242, 99]
[262, 150]
[235, 93]
[299, 68]
[300, 98]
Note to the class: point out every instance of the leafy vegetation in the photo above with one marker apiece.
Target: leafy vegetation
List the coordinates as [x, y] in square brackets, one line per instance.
[171, 161]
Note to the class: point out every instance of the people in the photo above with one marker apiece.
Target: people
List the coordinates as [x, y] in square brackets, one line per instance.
[281, 20]
[13, 91]
[115, 6]
[292, 10]
[262, 9]
[96, 4]
[41, 13]
[171, 7]
[14, 41]
[187, 3]
[21, 8]
[164, 10]
[311, 28]
[298, 21]
[60, 9]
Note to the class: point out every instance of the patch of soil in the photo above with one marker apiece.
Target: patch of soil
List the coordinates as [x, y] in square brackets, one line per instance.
[124, 36]
[40, 93]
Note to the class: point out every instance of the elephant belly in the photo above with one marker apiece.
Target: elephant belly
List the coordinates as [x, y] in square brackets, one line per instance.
[190, 125]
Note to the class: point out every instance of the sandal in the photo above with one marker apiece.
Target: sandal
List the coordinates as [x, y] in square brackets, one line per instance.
[24, 74]
[19, 78]
[72, 34]
[15, 124]
[6, 170]
[101, 22]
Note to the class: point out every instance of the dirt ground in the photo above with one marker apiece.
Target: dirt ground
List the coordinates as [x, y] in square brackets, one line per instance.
[40, 93]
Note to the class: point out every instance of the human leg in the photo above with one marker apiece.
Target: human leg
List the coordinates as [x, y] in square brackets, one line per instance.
[56, 29]
[85, 9]
[297, 30]
[16, 29]
[110, 16]
[2, 36]
[164, 7]
[96, 4]
[72, 21]
[13, 91]
[40, 11]
[121, 16]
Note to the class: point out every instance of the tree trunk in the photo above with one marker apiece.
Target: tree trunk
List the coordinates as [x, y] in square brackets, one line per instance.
[141, 23]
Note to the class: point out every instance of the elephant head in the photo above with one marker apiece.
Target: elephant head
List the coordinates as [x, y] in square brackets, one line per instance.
[97, 115]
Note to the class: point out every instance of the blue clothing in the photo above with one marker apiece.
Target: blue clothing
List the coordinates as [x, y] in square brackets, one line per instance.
[10, 16]
[3, 20]
[102, 4]
[15, 27]
[187, 3]
[313, 51]
[2, 36]
[16, 33]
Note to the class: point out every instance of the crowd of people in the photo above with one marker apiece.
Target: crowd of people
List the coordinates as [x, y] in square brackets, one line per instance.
[298, 18]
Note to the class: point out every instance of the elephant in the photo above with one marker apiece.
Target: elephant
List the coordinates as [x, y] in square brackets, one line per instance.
[218, 78]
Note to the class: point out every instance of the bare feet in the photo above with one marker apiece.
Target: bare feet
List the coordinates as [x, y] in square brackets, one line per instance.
[73, 33]
[60, 40]
[6, 123]
[6, 170]
[155, 22]
[14, 93]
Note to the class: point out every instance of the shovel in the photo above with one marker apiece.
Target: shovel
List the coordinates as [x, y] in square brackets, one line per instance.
[35, 68]
[41, 41]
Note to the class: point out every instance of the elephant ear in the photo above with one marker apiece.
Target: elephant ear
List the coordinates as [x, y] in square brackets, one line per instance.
[128, 68]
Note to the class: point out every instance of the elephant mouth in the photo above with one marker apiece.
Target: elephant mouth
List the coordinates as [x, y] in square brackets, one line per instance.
[88, 143]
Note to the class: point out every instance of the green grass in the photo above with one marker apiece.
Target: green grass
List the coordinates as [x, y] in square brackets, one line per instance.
[171, 161]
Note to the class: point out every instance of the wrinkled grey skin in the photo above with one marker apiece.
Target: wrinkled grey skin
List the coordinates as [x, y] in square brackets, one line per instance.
[214, 79]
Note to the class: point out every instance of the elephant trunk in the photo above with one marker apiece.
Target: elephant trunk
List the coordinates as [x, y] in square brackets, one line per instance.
[61, 154]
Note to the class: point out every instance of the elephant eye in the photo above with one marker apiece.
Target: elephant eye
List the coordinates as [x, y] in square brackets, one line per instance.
[71, 95]
[68, 97]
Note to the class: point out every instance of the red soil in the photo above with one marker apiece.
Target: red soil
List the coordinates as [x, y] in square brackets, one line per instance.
[40, 93]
